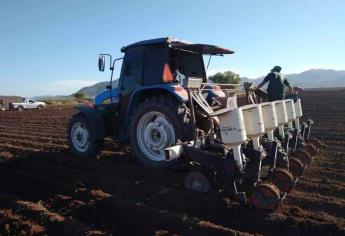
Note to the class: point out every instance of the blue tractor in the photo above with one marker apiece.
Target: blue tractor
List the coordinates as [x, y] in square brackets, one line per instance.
[149, 107]
[165, 109]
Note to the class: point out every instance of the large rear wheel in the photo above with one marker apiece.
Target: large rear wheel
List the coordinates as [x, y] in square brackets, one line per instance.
[157, 124]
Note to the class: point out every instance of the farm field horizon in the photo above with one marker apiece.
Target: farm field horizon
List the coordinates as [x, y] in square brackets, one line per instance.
[47, 190]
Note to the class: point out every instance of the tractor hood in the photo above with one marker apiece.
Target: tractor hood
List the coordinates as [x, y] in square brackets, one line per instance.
[183, 45]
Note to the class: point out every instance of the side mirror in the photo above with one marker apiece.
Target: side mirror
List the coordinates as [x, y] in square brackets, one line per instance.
[101, 63]
[108, 87]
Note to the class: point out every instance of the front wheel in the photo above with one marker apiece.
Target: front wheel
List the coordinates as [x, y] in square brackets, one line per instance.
[80, 138]
[157, 124]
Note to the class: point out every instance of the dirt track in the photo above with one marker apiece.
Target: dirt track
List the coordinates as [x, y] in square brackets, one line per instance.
[45, 190]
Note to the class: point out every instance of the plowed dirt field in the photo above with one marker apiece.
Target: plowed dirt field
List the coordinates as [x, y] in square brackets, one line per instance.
[46, 190]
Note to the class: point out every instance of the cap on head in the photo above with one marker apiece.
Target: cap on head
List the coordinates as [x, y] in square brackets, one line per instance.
[276, 69]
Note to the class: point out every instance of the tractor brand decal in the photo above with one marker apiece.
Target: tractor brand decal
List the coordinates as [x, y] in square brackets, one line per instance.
[228, 129]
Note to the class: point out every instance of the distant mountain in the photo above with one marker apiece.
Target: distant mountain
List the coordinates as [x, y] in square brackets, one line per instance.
[93, 90]
[315, 78]
[50, 97]
[318, 78]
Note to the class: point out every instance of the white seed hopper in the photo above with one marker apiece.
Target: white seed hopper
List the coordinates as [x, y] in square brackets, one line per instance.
[281, 116]
[299, 113]
[270, 118]
[232, 131]
[290, 110]
[254, 123]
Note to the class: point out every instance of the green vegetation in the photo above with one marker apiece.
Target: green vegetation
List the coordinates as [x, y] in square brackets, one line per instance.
[70, 101]
[47, 101]
[79, 95]
[227, 77]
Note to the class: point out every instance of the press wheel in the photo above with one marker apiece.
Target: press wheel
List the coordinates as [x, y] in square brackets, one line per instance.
[296, 167]
[265, 196]
[316, 142]
[303, 156]
[311, 149]
[282, 178]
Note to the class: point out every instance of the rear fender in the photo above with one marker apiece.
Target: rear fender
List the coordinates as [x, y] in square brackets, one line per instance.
[95, 120]
[176, 91]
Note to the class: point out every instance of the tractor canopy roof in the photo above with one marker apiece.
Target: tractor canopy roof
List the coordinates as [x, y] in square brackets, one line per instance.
[182, 45]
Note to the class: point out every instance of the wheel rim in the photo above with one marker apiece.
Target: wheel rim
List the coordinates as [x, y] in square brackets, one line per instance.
[197, 181]
[80, 137]
[154, 134]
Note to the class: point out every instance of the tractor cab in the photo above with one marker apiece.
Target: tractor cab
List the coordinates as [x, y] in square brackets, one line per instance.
[163, 63]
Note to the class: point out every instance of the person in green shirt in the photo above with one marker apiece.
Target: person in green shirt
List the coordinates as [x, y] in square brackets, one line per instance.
[276, 84]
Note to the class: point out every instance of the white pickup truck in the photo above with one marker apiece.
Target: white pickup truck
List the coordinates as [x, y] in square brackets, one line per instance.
[27, 104]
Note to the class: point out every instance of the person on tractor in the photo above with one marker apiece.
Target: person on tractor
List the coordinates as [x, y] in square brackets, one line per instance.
[276, 84]
[175, 66]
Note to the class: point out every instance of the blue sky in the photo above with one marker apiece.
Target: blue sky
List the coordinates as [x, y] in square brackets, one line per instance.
[51, 47]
